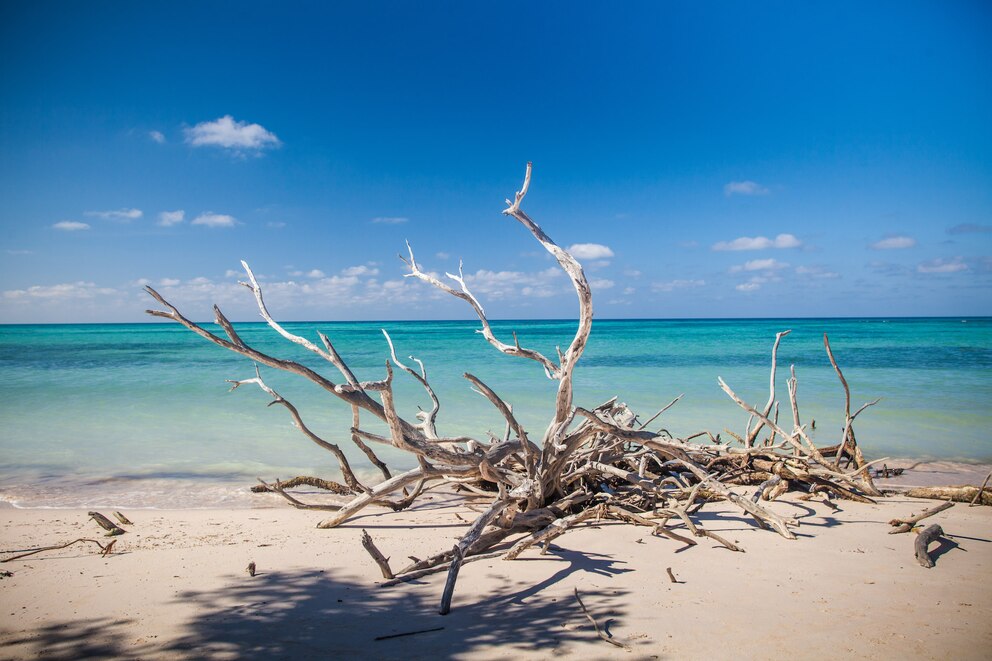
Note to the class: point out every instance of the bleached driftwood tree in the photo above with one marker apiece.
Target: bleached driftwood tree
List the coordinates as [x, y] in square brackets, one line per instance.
[599, 462]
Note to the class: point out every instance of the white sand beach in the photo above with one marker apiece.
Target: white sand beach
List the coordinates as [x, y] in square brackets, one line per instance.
[177, 587]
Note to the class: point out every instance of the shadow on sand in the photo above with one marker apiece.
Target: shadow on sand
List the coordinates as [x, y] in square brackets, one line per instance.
[320, 614]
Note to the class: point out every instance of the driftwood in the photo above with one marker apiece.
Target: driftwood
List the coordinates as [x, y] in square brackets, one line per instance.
[959, 494]
[112, 528]
[923, 540]
[588, 464]
[905, 525]
[599, 632]
[105, 549]
[377, 555]
[305, 480]
[123, 519]
[981, 490]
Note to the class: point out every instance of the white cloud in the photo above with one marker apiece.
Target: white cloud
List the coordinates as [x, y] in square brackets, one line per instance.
[747, 286]
[390, 220]
[744, 188]
[275, 224]
[19, 252]
[759, 243]
[170, 218]
[954, 265]
[508, 284]
[442, 255]
[124, 215]
[65, 291]
[894, 243]
[211, 219]
[227, 133]
[157, 136]
[315, 273]
[199, 281]
[168, 282]
[70, 226]
[672, 285]
[816, 272]
[360, 270]
[759, 265]
[589, 251]
[601, 283]
[231, 273]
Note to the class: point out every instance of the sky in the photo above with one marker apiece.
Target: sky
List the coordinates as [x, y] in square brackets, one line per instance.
[716, 159]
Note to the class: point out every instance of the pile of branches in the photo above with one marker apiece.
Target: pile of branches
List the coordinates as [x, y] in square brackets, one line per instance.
[589, 463]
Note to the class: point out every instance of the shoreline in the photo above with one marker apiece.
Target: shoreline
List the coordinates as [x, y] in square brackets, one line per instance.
[215, 493]
[178, 588]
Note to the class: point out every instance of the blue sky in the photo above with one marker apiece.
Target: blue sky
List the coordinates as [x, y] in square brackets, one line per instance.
[708, 159]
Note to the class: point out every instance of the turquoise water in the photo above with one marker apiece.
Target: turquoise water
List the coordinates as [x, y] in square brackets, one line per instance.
[140, 414]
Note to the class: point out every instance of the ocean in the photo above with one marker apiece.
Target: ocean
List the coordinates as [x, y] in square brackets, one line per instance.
[139, 415]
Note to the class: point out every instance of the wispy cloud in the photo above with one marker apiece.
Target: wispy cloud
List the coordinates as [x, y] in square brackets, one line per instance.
[818, 272]
[275, 224]
[953, 265]
[211, 219]
[744, 188]
[672, 285]
[227, 133]
[969, 228]
[390, 220]
[509, 284]
[157, 136]
[759, 243]
[69, 290]
[598, 284]
[590, 251]
[895, 242]
[362, 269]
[759, 265]
[125, 215]
[10, 251]
[70, 226]
[170, 218]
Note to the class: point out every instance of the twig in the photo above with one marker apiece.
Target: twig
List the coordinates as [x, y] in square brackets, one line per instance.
[978, 494]
[123, 519]
[104, 550]
[377, 555]
[671, 576]
[905, 525]
[599, 632]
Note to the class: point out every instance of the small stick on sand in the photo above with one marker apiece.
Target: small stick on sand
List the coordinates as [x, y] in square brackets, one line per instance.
[104, 550]
[377, 555]
[599, 631]
[407, 633]
[123, 519]
[671, 576]
[905, 525]
[981, 490]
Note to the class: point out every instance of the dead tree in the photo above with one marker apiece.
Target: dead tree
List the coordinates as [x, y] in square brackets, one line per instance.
[589, 463]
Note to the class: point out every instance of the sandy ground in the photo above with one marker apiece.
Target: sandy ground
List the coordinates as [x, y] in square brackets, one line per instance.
[178, 588]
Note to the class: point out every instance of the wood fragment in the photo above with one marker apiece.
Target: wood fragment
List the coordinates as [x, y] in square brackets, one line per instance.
[923, 540]
[905, 525]
[251, 568]
[420, 573]
[112, 528]
[105, 549]
[308, 481]
[981, 490]
[123, 519]
[959, 494]
[377, 555]
[599, 632]
[671, 575]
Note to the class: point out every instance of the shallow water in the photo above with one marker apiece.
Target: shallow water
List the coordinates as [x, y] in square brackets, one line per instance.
[140, 414]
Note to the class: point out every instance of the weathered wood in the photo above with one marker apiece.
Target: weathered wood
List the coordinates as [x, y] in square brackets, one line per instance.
[981, 490]
[308, 481]
[959, 494]
[112, 528]
[105, 549]
[905, 525]
[377, 555]
[923, 540]
[123, 519]
[599, 632]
